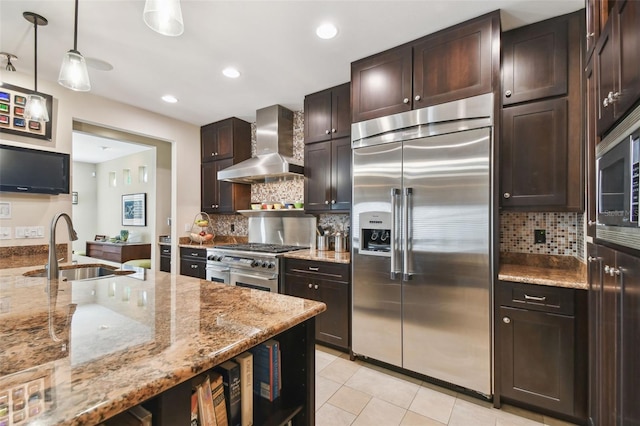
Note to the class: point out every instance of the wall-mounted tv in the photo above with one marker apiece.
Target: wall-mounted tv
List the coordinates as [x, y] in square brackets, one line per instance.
[33, 171]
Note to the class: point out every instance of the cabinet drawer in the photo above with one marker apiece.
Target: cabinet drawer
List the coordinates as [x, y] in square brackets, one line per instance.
[165, 250]
[193, 253]
[326, 270]
[536, 297]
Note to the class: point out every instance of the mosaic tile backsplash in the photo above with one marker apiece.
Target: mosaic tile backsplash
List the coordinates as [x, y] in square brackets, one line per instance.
[562, 233]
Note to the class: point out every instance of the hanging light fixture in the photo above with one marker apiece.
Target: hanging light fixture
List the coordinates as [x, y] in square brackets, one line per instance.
[164, 16]
[36, 107]
[9, 57]
[73, 72]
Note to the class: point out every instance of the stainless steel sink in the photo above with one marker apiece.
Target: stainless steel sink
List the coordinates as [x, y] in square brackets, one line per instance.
[80, 273]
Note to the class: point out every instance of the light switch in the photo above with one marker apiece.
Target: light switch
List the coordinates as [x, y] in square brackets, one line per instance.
[20, 231]
[5, 233]
[5, 210]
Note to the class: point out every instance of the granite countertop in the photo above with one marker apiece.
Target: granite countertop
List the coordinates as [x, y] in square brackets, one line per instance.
[555, 271]
[98, 347]
[322, 256]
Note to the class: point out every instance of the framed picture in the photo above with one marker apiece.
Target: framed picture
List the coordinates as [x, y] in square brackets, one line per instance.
[100, 238]
[134, 209]
[13, 100]
[74, 197]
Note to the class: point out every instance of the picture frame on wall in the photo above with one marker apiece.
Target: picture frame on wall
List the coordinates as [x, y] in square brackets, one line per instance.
[13, 100]
[134, 209]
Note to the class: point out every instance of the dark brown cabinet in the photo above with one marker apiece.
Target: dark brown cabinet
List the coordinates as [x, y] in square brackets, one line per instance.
[591, 140]
[118, 252]
[193, 262]
[451, 64]
[327, 114]
[614, 330]
[325, 282]
[592, 25]
[327, 171]
[541, 167]
[223, 144]
[165, 258]
[534, 62]
[541, 345]
[617, 59]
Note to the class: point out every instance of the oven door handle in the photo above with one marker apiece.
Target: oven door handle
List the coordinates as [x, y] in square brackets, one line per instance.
[217, 269]
[257, 277]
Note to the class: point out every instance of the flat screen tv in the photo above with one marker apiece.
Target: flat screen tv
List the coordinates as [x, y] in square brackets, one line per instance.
[33, 171]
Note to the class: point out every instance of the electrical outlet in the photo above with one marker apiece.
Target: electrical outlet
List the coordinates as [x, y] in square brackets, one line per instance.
[539, 236]
[5, 233]
[187, 227]
[233, 227]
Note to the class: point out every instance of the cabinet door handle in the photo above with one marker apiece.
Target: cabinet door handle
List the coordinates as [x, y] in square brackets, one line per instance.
[417, 98]
[592, 259]
[506, 195]
[314, 269]
[195, 255]
[333, 201]
[405, 100]
[589, 35]
[310, 285]
[213, 154]
[535, 298]
[611, 270]
[194, 266]
[326, 132]
[605, 102]
[333, 130]
[326, 201]
[508, 93]
[315, 286]
[506, 320]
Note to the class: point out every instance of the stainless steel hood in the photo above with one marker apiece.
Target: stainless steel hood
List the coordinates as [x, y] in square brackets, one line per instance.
[274, 149]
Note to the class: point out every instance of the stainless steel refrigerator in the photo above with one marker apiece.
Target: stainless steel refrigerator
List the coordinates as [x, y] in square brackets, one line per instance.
[422, 241]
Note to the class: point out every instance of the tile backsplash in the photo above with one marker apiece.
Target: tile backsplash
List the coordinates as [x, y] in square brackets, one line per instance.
[563, 233]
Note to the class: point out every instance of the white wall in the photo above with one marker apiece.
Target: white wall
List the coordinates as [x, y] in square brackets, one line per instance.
[28, 210]
[85, 212]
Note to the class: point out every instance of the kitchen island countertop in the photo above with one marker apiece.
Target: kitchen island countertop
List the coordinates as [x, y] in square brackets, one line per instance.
[98, 347]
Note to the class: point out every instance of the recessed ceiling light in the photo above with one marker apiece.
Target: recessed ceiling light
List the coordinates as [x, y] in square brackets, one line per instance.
[170, 99]
[231, 72]
[326, 31]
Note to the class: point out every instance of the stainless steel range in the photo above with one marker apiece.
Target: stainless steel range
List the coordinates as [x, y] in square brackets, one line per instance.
[252, 265]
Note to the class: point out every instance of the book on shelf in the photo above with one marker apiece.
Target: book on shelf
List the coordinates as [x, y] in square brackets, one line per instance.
[266, 369]
[194, 409]
[206, 414]
[217, 394]
[230, 372]
[135, 416]
[245, 362]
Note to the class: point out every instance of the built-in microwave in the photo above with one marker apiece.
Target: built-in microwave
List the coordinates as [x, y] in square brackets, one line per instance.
[618, 181]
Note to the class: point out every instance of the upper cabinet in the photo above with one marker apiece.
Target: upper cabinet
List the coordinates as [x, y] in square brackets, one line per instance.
[223, 144]
[616, 58]
[541, 137]
[327, 114]
[534, 62]
[452, 64]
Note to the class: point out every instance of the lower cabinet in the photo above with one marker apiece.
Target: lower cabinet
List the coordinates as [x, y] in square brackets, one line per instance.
[541, 347]
[165, 258]
[193, 262]
[328, 283]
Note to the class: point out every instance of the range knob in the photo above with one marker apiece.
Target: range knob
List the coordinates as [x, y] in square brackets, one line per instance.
[255, 263]
[271, 265]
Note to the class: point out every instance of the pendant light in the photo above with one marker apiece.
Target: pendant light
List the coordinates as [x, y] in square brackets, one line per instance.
[164, 17]
[73, 72]
[36, 107]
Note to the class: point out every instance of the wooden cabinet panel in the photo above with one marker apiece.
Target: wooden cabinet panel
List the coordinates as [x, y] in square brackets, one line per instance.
[165, 258]
[591, 139]
[217, 140]
[317, 173]
[454, 63]
[534, 63]
[628, 40]
[193, 262]
[534, 154]
[592, 25]
[609, 340]
[605, 57]
[381, 84]
[219, 196]
[537, 351]
[341, 174]
[117, 252]
[327, 114]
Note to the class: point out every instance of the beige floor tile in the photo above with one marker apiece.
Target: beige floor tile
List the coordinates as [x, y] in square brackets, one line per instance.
[439, 388]
[383, 386]
[379, 412]
[433, 404]
[323, 359]
[393, 373]
[328, 350]
[350, 400]
[508, 414]
[475, 400]
[550, 421]
[330, 415]
[325, 389]
[340, 370]
[415, 419]
[467, 413]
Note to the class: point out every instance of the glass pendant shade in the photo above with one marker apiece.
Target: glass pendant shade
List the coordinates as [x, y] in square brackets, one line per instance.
[36, 109]
[164, 16]
[73, 72]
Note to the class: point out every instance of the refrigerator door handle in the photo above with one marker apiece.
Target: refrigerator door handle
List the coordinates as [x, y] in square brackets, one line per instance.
[406, 275]
[395, 192]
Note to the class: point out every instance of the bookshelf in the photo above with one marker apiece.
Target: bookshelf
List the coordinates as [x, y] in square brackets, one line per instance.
[296, 402]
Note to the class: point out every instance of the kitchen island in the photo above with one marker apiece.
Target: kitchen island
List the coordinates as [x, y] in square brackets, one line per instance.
[88, 350]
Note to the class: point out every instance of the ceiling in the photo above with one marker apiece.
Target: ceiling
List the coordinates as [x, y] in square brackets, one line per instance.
[88, 148]
[272, 43]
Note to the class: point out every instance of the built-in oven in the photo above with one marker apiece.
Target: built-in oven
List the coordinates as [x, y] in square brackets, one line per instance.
[255, 280]
[218, 273]
[618, 183]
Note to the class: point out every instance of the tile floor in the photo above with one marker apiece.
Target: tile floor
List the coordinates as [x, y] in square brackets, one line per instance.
[357, 393]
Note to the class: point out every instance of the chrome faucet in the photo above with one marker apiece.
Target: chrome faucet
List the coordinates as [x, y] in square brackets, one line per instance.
[52, 266]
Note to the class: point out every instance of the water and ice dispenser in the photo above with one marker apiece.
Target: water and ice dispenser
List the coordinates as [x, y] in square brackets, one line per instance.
[375, 232]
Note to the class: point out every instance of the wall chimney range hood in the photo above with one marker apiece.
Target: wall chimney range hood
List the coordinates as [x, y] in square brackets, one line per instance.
[274, 149]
